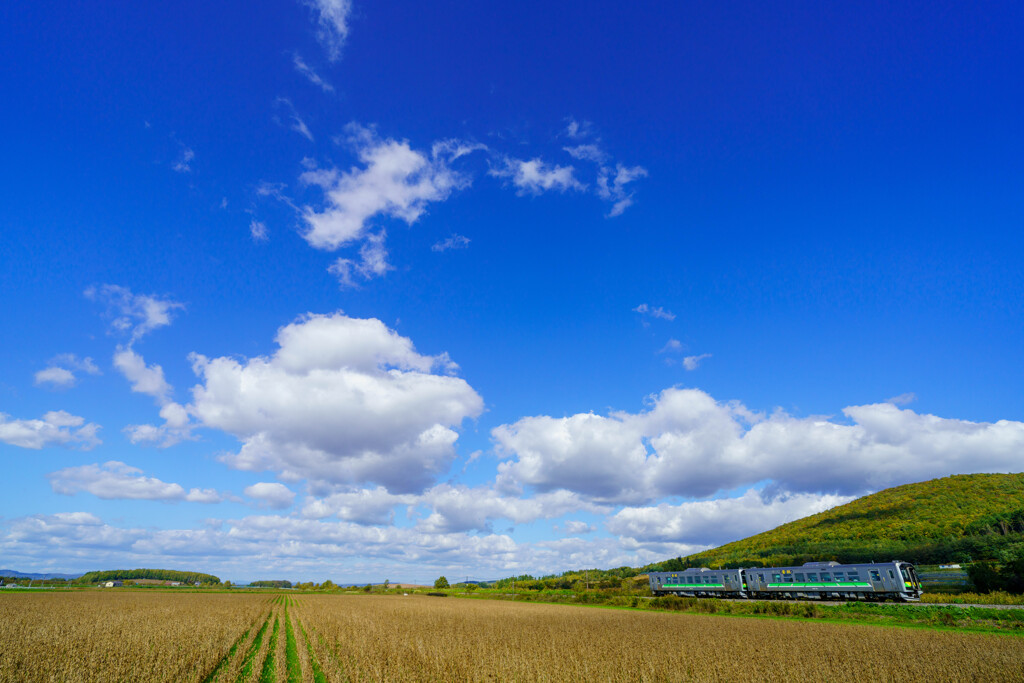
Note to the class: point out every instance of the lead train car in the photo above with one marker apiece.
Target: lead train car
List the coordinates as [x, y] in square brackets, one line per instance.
[813, 580]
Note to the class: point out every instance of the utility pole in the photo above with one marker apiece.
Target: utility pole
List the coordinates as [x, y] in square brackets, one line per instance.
[513, 588]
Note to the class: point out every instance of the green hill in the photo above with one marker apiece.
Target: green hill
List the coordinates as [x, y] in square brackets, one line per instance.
[955, 519]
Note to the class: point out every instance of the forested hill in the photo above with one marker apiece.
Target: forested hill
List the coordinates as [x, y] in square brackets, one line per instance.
[158, 574]
[954, 519]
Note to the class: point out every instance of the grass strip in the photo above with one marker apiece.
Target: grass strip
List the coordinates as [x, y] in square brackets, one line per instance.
[291, 651]
[269, 673]
[227, 658]
[253, 649]
[318, 673]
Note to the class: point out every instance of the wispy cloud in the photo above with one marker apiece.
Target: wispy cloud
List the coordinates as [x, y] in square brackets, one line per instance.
[135, 314]
[654, 312]
[693, 362]
[258, 230]
[311, 75]
[536, 176]
[452, 242]
[184, 162]
[332, 24]
[294, 121]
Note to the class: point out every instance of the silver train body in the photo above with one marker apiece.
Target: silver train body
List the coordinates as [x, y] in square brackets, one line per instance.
[811, 581]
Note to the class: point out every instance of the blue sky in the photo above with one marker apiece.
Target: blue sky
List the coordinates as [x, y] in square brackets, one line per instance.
[354, 290]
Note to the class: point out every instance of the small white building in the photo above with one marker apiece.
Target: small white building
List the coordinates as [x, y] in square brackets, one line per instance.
[113, 584]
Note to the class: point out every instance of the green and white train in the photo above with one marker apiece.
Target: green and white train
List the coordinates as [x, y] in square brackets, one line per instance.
[811, 581]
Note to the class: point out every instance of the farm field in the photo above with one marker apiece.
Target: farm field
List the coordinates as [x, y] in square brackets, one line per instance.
[108, 636]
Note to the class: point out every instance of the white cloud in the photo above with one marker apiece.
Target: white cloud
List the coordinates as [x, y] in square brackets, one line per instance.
[145, 379]
[56, 427]
[56, 377]
[536, 176]
[61, 372]
[332, 24]
[577, 528]
[175, 429]
[395, 181]
[184, 161]
[117, 481]
[902, 399]
[295, 122]
[342, 401]
[687, 444]
[713, 522]
[693, 362]
[373, 262]
[364, 506]
[136, 314]
[258, 230]
[271, 494]
[612, 186]
[310, 74]
[452, 242]
[672, 346]
[659, 312]
[460, 508]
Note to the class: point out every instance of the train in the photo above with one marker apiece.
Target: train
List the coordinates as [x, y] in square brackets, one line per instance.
[873, 581]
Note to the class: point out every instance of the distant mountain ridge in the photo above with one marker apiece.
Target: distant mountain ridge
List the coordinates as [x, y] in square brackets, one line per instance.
[954, 519]
[36, 577]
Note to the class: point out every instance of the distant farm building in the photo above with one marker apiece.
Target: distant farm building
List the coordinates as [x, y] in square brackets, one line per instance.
[113, 584]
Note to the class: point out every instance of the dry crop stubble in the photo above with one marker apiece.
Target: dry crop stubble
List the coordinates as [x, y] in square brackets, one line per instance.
[427, 639]
[119, 636]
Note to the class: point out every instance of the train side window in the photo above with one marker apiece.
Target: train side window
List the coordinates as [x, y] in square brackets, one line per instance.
[825, 576]
[760, 577]
[799, 577]
[777, 578]
[839, 576]
[812, 577]
[875, 575]
[853, 576]
[788, 578]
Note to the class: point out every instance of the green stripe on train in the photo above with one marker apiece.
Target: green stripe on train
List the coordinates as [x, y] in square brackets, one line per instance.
[693, 585]
[835, 584]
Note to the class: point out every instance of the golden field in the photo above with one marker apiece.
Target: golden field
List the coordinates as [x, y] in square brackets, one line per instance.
[150, 636]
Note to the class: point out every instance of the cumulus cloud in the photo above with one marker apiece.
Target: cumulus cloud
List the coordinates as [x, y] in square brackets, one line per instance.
[60, 374]
[176, 428]
[134, 314]
[271, 494]
[56, 377]
[145, 379]
[536, 176]
[688, 444]
[56, 427]
[654, 312]
[394, 181]
[117, 481]
[310, 74]
[693, 362]
[342, 401]
[713, 522]
[454, 241]
[577, 528]
[332, 24]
